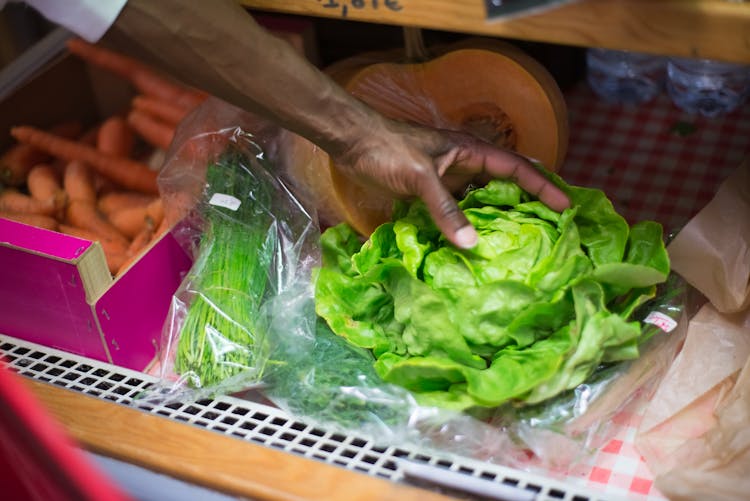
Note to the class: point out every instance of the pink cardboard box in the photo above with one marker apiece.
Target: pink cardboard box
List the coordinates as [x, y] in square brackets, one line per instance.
[56, 290]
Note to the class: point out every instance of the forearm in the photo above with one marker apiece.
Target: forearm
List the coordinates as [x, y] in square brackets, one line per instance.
[218, 47]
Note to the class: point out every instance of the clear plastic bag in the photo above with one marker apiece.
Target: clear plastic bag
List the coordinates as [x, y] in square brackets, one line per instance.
[293, 358]
[693, 435]
[327, 381]
[251, 241]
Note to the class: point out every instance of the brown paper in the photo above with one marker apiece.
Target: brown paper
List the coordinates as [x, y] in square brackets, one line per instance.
[695, 434]
[713, 251]
[698, 384]
[716, 465]
[723, 340]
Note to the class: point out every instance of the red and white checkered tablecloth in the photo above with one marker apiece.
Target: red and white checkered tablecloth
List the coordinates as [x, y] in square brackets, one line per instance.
[617, 470]
[653, 160]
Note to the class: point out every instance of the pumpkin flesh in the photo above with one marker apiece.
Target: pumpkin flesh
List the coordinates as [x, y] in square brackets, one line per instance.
[486, 88]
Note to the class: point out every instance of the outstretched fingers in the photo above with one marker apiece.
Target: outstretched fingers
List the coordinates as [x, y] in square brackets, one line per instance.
[468, 157]
[507, 165]
[445, 212]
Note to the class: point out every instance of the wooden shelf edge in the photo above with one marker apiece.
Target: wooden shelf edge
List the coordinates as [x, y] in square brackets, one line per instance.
[714, 29]
[208, 458]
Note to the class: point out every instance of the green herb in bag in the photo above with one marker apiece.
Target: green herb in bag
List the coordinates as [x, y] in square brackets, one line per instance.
[224, 332]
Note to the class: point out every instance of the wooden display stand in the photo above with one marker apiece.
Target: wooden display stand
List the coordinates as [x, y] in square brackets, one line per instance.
[713, 29]
[210, 459]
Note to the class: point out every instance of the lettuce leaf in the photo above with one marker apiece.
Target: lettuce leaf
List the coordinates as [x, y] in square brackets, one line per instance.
[541, 301]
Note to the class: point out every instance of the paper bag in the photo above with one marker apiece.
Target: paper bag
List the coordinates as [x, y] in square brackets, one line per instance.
[695, 435]
[713, 251]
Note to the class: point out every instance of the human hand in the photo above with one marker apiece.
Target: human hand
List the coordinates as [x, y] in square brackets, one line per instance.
[404, 160]
[407, 160]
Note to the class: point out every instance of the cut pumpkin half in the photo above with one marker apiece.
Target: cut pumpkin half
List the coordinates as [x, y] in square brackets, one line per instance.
[487, 88]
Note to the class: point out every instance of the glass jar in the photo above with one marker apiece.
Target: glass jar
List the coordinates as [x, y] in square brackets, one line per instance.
[707, 87]
[624, 77]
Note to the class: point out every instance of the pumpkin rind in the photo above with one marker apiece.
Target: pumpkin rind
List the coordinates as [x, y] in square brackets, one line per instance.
[485, 87]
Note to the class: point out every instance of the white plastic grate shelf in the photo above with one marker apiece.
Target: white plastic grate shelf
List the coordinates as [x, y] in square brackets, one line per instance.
[266, 425]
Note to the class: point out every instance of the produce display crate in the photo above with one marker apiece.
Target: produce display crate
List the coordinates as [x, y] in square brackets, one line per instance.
[56, 289]
[58, 292]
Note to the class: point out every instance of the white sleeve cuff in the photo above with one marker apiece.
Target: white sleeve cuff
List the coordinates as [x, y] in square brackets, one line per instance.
[89, 19]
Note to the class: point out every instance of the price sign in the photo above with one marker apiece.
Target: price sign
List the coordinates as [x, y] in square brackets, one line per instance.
[226, 201]
[497, 9]
[344, 7]
[662, 321]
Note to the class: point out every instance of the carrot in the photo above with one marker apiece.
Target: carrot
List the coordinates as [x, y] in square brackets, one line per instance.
[144, 78]
[43, 180]
[84, 215]
[44, 186]
[118, 200]
[161, 229]
[165, 111]
[17, 161]
[104, 185]
[140, 241]
[110, 246]
[155, 211]
[131, 221]
[117, 263]
[90, 137]
[155, 132]
[12, 200]
[78, 182]
[125, 265]
[38, 220]
[137, 245]
[115, 137]
[58, 165]
[128, 173]
[114, 252]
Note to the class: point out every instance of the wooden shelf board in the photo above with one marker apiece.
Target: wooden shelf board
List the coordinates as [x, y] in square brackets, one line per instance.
[210, 459]
[716, 29]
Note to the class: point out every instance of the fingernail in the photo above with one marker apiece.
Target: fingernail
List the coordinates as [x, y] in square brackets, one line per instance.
[466, 237]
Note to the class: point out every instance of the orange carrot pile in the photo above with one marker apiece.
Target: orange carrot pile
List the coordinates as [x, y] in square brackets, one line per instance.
[115, 137]
[12, 200]
[143, 78]
[125, 171]
[96, 183]
[151, 129]
[44, 185]
[17, 161]
[165, 111]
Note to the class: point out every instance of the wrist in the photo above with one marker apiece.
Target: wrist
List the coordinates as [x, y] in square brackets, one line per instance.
[342, 123]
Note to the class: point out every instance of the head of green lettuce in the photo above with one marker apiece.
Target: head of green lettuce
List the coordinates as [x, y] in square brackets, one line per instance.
[541, 301]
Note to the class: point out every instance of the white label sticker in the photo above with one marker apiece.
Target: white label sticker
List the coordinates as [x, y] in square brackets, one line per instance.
[662, 321]
[226, 201]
